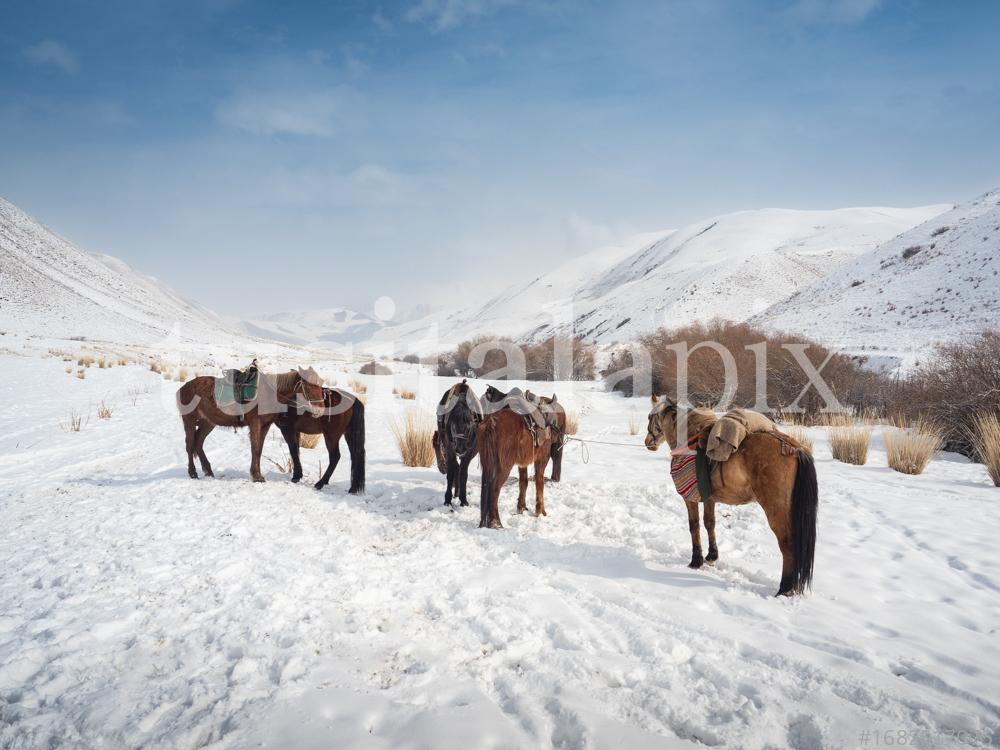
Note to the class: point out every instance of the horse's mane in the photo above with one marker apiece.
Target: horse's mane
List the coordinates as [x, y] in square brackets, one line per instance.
[286, 381]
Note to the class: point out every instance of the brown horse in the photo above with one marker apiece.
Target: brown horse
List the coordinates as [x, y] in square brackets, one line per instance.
[458, 415]
[343, 415]
[769, 468]
[505, 440]
[275, 394]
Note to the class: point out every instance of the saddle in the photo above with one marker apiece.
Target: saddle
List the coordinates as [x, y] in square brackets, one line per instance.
[237, 386]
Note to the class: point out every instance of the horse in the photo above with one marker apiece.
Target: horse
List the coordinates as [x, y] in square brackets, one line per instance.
[458, 415]
[201, 414]
[768, 468]
[555, 416]
[343, 416]
[505, 440]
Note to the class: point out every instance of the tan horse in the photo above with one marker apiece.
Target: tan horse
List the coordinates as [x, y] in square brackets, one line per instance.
[769, 468]
[276, 395]
[505, 442]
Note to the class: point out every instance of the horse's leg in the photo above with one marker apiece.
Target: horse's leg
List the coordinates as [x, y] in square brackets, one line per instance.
[540, 464]
[709, 514]
[779, 519]
[291, 436]
[190, 428]
[463, 479]
[204, 428]
[258, 431]
[452, 477]
[522, 488]
[695, 527]
[333, 457]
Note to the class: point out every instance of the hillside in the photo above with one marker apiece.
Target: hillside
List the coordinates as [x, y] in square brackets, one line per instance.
[326, 327]
[733, 266]
[51, 288]
[938, 281]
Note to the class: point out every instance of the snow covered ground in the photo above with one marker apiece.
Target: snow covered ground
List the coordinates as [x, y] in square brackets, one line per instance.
[139, 608]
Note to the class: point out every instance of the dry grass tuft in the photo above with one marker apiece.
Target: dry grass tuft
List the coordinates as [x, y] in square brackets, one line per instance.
[407, 395]
[572, 422]
[308, 441]
[413, 438]
[849, 443]
[634, 423]
[156, 366]
[910, 450]
[86, 360]
[358, 386]
[104, 411]
[182, 375]
[800, 435]
[81, 373]
[985, 438]
[69, 370]
[75, 423]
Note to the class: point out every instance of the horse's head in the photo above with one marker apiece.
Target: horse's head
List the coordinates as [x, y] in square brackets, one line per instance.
[494, 395]
[459, 413]
[310, 388]
[662, 423]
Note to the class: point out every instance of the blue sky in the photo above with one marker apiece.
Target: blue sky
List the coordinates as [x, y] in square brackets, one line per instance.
[260, 156]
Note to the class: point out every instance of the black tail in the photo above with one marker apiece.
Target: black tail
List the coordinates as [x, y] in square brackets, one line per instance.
[556, 455]
[489, 462]
[805, 503]
[356, 445]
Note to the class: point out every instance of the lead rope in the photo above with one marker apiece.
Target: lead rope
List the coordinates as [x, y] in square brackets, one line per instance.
[585, 451]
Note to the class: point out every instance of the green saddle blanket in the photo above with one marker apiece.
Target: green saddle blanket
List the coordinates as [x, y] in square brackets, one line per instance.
[236, 386]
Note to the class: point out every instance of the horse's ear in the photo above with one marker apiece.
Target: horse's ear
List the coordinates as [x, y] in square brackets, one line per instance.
[652, 397]
[553, 398]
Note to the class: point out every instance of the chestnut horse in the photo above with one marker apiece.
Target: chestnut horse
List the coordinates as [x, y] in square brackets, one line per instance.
[769, 468]
[458, 415]
[275, 393]
[505, 440]
[553, 412]
[343, 415]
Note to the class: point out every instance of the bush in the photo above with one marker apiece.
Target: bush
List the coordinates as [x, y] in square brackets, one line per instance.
[850, 383]
[958, 384]
[411, 359]
[849, 444]
[413, 438]
[539, 359]
[358, 387]
[985, 439]
[408, 395]
[308, 441]
[374, 368]
[909, 450]
[572, 422]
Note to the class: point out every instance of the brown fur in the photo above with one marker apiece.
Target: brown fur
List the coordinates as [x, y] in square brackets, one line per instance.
[765, 470]
[559, 417]
[200, 414]
[342, 413]
[505, 442]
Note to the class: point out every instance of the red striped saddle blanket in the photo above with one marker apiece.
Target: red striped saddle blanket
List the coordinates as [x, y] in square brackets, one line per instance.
[684, 472]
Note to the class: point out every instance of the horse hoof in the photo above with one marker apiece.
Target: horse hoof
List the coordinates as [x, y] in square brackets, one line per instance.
[209, 473]
[318, 486]
[494, 524]
[712, 556]
[447, 503]
[540, 513]
[695, 564]
[295, 480]
[786, 592]
[259, 479]
[464, 503]
[192, 476]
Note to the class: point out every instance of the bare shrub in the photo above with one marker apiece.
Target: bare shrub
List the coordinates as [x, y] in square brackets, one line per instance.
[308, 441]
[539, 359]
[374, 368]
[985, 437]
[407, 395]
[104, 411]
[102, 363]
[786, 379]
[957, 384]
[413, 438]
[411, 359]
[572, 421]
[849, 444]
[81, 373]
[156, 366]
[634, 423]
[910, 449]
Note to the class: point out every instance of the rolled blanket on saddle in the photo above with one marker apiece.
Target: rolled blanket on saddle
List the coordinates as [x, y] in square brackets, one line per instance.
[730, 431]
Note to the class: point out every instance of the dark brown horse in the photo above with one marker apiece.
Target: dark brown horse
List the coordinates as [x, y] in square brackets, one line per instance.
[343, 415]
[458, 415]
[275, 393]
[768, 468]
[506, 440]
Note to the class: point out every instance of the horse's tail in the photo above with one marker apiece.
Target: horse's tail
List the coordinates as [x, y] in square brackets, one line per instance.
[355, 436]
[557, 455]
[489, 461]
[805, 503]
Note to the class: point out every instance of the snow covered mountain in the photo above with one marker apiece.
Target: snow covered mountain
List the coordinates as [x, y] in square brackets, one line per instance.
[732, 266]
[330, 326]
[51, 288]
[938, 281]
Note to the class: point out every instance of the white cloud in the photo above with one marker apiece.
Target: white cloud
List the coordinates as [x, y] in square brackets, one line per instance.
[837, 11]
[51, 52]
[271, 113]
[447, 14]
